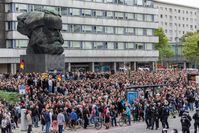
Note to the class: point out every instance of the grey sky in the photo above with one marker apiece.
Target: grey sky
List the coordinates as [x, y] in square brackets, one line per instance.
[194, 3]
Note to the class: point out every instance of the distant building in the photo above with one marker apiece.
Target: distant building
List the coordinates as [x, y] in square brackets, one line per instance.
[177, 20]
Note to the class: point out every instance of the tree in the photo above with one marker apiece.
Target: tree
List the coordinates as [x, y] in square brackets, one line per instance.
[165, 50]
[191, 46]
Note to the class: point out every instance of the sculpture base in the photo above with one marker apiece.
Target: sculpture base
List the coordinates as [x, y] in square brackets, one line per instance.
[41, 63]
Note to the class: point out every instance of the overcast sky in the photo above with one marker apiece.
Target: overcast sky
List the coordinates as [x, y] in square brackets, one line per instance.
[194, 3]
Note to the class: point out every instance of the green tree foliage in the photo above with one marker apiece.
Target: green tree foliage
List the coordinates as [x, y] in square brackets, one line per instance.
[191, 46]
[165, 50]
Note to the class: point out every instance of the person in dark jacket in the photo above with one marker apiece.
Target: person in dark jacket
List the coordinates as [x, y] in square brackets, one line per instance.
[196, 120]
[164, 116]
[185, 122]
[148, 116]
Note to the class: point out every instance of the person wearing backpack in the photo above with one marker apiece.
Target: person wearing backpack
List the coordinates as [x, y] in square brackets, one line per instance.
[185, 122]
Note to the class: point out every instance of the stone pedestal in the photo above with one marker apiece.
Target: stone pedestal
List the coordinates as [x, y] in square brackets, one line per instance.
[41, 63]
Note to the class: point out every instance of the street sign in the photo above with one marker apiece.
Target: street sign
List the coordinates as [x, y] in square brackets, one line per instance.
[132, 96]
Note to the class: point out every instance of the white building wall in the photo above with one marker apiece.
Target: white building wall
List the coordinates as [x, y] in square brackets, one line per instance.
[176, 20]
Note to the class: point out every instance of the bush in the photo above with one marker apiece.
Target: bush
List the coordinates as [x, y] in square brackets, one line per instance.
[10, 97]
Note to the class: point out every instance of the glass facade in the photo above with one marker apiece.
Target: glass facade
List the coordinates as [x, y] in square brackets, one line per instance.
[68, 11]
[90, 45]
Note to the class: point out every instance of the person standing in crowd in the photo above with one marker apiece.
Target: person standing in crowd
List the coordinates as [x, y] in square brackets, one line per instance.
[29, 121]
[128, 113]
[60, 120]
[3, 125]
[35, 115]
[148, 116]
[85, 116]
[54, 122]
[165, 115]
[185, 122]
[196, 120]
[47, 121]
[73, 118]
[113, 114]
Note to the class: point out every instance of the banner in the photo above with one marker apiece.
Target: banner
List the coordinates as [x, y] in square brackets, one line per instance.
[197, 79]
[132, 96]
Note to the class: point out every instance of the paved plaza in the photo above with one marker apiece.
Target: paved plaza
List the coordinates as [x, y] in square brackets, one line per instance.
[138, 127]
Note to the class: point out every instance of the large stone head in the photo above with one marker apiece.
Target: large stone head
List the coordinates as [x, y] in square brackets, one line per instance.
[43, 31]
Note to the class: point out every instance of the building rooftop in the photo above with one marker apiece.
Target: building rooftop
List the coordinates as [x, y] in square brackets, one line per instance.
[175, 4]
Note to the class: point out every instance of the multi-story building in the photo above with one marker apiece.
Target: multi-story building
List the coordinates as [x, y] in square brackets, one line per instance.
[99, 35]
[177, 20]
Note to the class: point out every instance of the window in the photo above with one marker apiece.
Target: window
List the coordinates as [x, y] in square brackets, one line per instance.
[139, 17]
[74, 12]
[149, 46]
[120, 45]
[119, 30]
[149, 18]
[109, 1]
[120, 1]
[110, 45]
[109, 14]
[52, 9]
[129, 31]
[140, 2]
[149, 3]
[64, 11]
[86, 12]
[21, 7]
[128, 2]
[119, 15]
[66, 44]
[38, 8]
[21, 43]
[140, 46]
[11, 26]
[100, 1]
[10, 43]
[130, 46]
[75, 45]
[65, 27]
[86, 28]
[99, 29]
[76, 28]
[98, 13]
[139, 31]
[149, 32]
[129, 16]
[99, 45]
[109, 30]
[87, 45]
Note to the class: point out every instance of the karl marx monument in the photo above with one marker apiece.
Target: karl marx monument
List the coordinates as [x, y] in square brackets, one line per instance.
[44, 50]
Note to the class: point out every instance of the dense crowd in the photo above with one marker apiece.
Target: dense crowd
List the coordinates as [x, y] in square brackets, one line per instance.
[60, 100]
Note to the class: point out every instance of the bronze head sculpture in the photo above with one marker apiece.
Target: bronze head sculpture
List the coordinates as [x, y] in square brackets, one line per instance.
[43, 30]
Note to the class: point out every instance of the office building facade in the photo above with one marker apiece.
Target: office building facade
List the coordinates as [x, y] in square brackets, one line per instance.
[99, 35]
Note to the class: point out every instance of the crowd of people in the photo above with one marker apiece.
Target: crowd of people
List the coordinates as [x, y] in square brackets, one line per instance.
[58, 101]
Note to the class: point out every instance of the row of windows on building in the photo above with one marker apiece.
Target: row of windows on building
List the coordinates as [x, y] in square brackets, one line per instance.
[181, 11]
[146, 3]
[178, 18]
[187, 26]
[74, 28]
[90, 45]
[66, 11]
